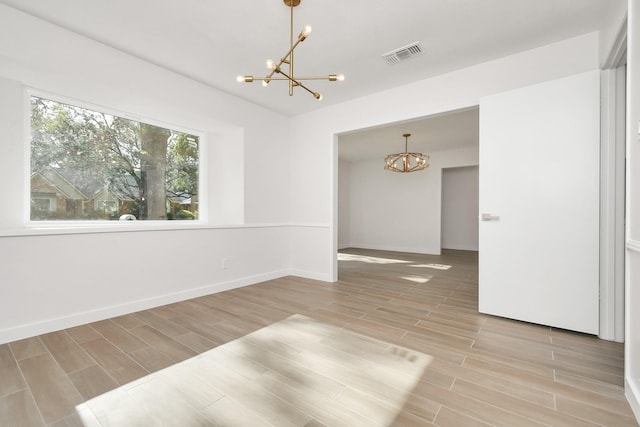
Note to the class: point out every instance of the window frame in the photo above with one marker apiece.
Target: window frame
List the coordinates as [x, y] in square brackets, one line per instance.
[78, 226]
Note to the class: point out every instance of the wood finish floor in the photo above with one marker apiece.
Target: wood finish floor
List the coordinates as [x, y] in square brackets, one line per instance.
[396, 341]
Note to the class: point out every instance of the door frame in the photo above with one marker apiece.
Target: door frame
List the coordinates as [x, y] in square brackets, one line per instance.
[612, 191]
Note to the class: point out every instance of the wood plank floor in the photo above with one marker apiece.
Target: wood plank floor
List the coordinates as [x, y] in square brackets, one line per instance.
[397, 341]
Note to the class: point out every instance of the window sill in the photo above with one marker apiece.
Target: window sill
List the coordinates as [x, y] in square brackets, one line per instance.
[128, 227]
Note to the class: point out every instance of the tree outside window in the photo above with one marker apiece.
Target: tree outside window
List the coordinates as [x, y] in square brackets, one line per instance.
[91, 165]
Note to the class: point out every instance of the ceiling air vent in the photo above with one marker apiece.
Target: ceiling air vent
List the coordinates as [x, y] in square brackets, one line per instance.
[403, 53]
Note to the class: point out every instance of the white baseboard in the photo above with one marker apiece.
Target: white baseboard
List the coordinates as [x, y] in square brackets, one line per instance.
[310, 275]
[425, 251]
[632, 393]
[75, 319]
[463, 248]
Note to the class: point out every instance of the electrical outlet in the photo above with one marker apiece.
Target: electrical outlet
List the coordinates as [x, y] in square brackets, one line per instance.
[224, 263]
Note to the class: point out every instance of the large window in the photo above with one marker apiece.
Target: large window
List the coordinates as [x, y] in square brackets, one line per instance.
[89, 165]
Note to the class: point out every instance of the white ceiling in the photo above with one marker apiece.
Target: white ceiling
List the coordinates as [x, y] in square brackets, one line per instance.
[213, 41]
[448, 131]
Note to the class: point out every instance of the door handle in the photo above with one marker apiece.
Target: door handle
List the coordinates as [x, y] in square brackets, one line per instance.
[489, 217]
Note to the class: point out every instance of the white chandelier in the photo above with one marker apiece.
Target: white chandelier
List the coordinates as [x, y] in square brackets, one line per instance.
[406, 162]
[287, 61]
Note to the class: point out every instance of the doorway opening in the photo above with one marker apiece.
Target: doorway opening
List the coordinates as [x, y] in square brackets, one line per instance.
[381, 210]
[460, 207]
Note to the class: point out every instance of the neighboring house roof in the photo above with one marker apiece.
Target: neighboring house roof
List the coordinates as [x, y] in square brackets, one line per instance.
[84, 181]
[75, 184]
[58, 181]
[125, 187]
[105, 194]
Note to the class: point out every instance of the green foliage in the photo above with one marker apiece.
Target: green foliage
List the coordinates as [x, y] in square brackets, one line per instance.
[184, 214]
[182, 165]
[98, 151]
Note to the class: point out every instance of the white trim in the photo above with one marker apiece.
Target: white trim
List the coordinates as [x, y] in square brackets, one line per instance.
[424, 251]
[26, 165]
[612, 150]
[310, 275]
[81, 318]
[618, 52]
[309, 225]
[335, 213]
[632, 393]
[462, 248]
[124, 227]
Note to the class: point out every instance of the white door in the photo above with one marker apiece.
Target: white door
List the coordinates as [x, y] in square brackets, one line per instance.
[539, 203]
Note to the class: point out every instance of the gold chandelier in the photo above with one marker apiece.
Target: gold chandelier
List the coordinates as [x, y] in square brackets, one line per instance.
[287, 60]
[406, 162]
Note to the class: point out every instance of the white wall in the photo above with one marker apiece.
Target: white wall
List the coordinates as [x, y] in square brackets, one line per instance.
[57, 281]
[460, 208]
[315, 199]
[344, 203]
[50, 281]
[632, 294]
[399, 212]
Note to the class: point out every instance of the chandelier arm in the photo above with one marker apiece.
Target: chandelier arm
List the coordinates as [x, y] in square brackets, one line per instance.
[270, 75]
[288, 57]
[290, 54]
[291, 79]
[296, 82]
[313, 78]
[316, 95]
[288, 78]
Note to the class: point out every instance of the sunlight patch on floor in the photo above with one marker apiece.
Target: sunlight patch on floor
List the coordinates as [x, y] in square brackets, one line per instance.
[416, 279]
[370, 259]
[436, 266]
[293, 372]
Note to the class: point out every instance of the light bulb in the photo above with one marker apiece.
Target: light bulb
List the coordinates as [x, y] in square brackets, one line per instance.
[318, 96]
[240, 79]
[305, 33]
[340, 77]
[246, 79]
[271, 65]
[265, 83]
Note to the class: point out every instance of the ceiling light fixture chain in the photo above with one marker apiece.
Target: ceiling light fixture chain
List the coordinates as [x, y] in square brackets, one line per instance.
[287, 60]
[406, 162]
